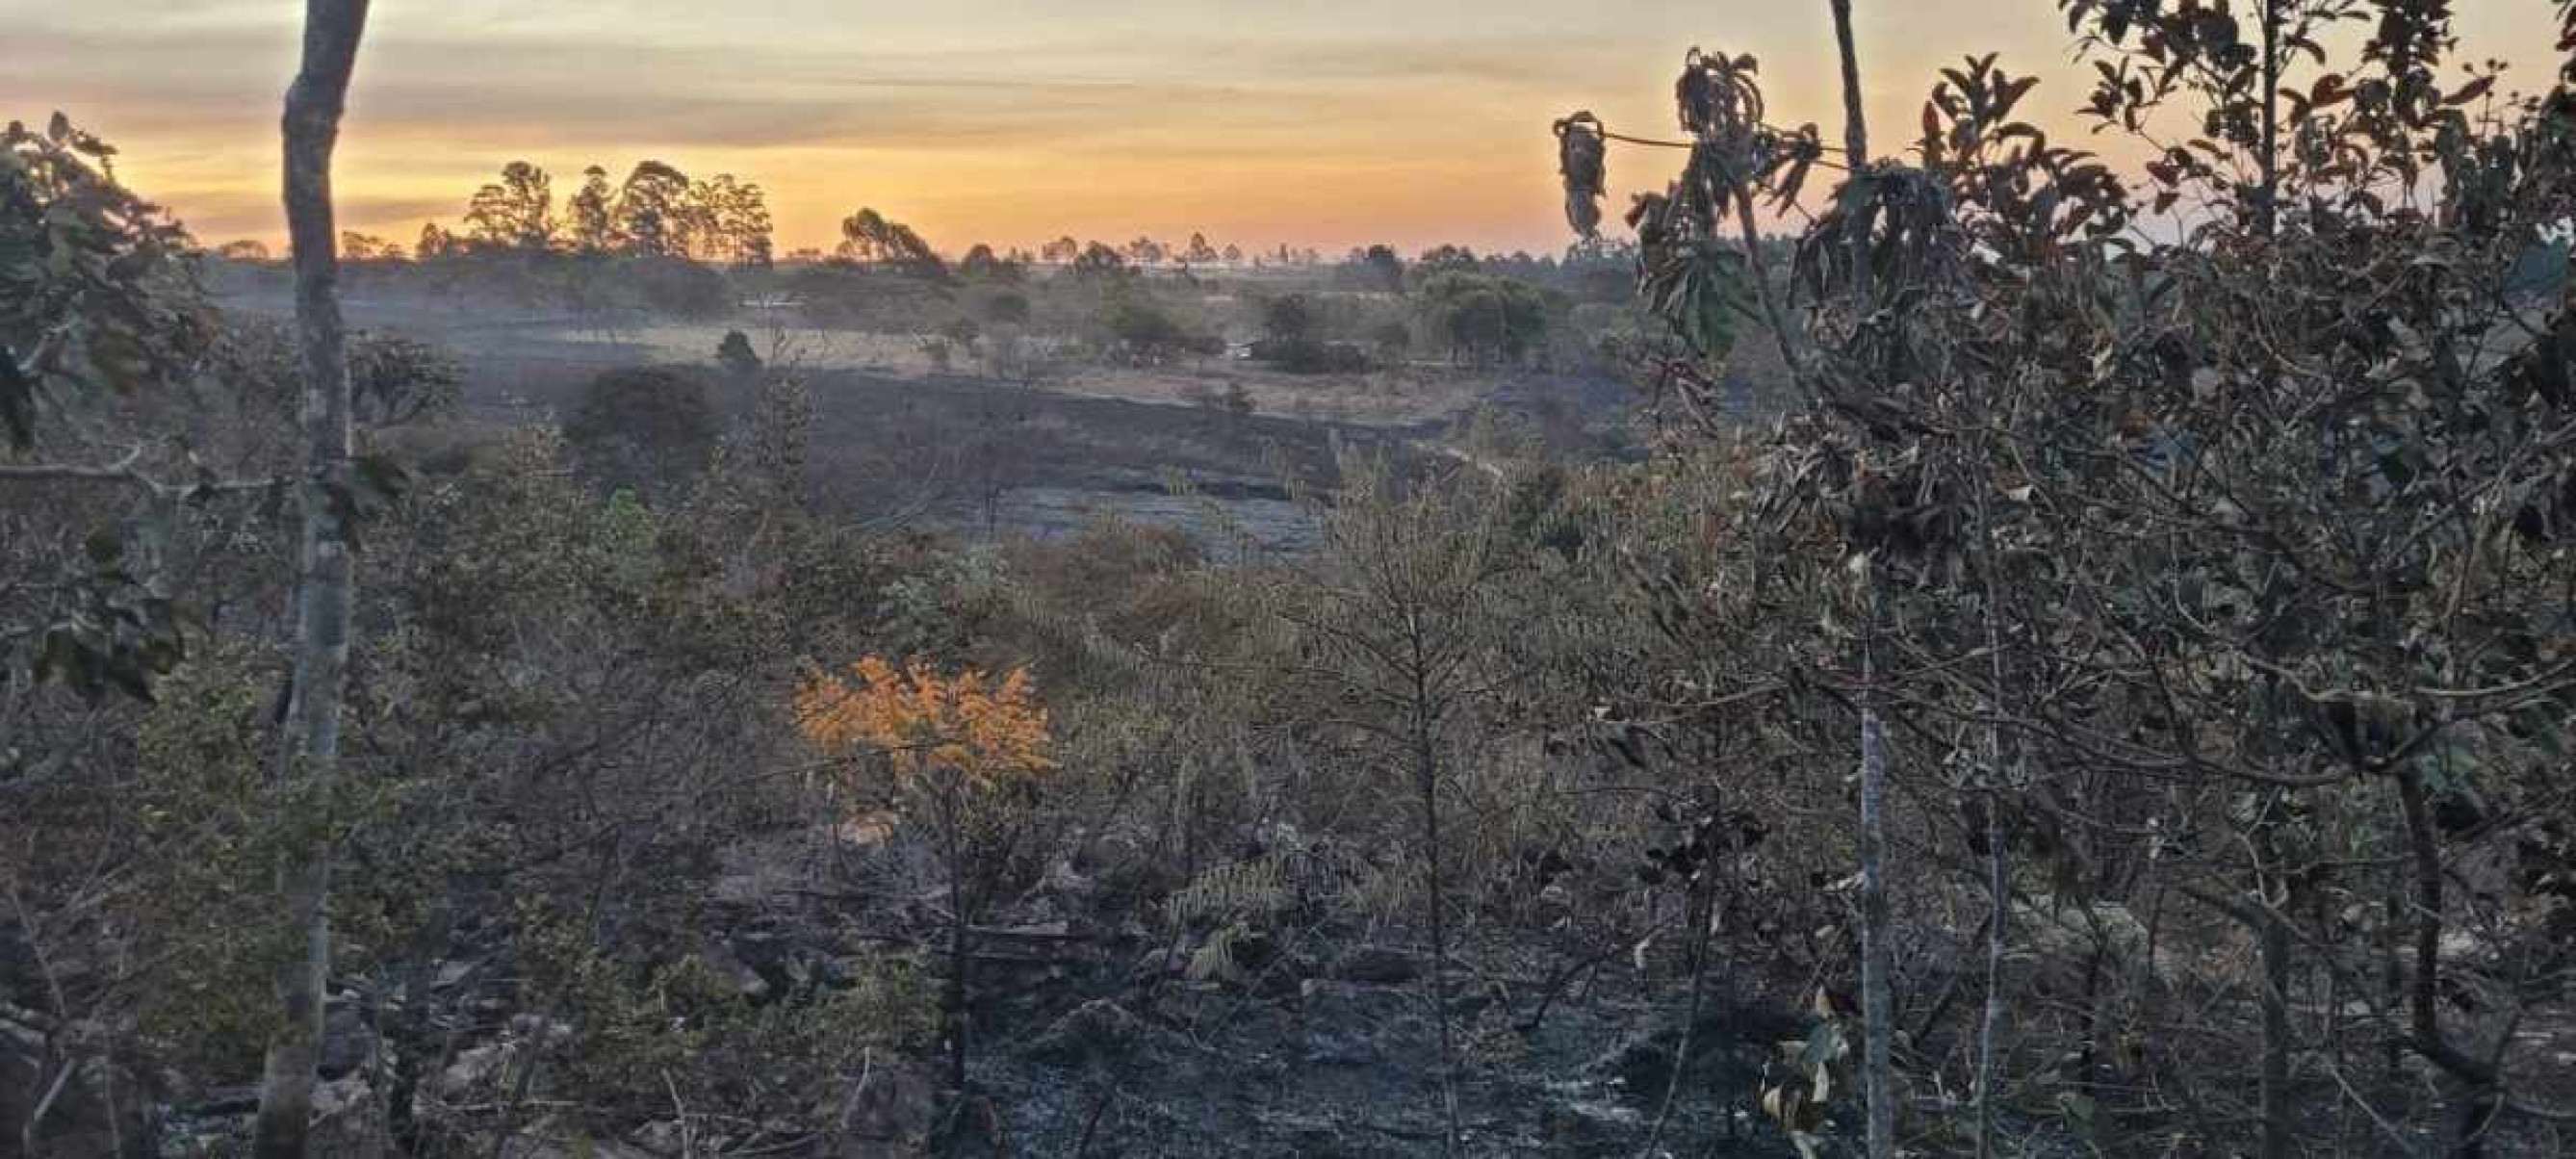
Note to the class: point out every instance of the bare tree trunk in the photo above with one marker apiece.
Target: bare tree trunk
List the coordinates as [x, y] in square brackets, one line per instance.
[1998, 917]
[2272, 943]
[1998, 868]
[309, 750]
[2272, 935]
[1998, 875]
[2276, 1039]
[1855, 145]
[1426, 773]
[960, 955]
[1877, 1002]
[2268, 196]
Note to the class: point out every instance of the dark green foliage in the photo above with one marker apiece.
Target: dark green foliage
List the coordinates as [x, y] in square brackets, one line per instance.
[1483, 318]
[677, 1027]
[676, 286]
[99, 301]
[17, 399]
[844, 293]
[1391, 341]
[1293, 327]
[114, 632]
[658, 212]
[735, 355]
[1009, 307]
[1376, 268]
[651, 219]
[1289, 318]
[982, 265]
[394, 379]
[1099, 263]
[516, 212]
[649, 427]
[868, 238]
[1445, 259]
[1139, 332]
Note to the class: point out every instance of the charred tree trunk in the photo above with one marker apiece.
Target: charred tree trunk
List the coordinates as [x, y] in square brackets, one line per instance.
[309, 749]
[2476, 1078]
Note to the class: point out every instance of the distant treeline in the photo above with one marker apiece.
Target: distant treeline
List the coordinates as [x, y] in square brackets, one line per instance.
[658, 211]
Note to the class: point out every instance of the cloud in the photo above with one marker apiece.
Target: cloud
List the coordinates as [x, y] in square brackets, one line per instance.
[1410, 120]
[221, 215]
[221, 69]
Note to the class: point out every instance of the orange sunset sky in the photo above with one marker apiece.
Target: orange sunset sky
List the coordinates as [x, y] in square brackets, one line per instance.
[1313, 122]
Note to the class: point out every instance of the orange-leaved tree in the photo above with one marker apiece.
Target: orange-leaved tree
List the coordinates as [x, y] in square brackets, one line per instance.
[949, 744]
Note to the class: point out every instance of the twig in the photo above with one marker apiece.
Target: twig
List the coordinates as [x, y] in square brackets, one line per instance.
[688, 1131]
[1092, 1123]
